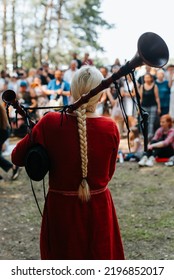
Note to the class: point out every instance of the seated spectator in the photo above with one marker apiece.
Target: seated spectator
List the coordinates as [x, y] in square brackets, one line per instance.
[162, 144]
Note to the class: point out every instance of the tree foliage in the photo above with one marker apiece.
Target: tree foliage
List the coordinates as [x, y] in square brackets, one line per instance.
[37, 30]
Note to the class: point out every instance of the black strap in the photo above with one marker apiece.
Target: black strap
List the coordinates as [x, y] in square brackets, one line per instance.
[34, 194]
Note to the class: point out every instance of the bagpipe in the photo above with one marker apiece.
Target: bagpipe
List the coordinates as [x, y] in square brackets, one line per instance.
[151, 50]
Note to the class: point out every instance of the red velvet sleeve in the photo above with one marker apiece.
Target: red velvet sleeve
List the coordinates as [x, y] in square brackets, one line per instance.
[22, 147]
[116, 139]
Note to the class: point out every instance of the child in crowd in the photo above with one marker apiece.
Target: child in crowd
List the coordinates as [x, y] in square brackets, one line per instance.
[136, 147]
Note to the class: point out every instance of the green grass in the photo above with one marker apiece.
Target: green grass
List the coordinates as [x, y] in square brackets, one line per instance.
[144, 201]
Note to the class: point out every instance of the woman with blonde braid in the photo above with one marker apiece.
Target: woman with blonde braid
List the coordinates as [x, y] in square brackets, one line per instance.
[79, 220]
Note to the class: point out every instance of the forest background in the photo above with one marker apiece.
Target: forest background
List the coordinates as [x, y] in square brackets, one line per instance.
[34, 31]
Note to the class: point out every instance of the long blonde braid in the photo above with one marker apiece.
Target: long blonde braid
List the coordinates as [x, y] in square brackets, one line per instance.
[84, 192]
[86, 78]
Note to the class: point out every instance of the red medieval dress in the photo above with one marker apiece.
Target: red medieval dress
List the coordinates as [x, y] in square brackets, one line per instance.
[72, 229]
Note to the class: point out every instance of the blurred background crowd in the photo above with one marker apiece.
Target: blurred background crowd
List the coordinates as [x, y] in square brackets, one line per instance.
[45, 86]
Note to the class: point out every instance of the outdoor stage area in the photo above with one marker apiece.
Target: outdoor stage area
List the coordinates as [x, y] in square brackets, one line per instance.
[143, 198]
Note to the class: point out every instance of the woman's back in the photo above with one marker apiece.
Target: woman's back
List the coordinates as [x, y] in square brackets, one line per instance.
[62, 146]
[79, 219]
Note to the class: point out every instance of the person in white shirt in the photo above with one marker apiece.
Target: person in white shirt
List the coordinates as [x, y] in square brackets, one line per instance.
[69, 74]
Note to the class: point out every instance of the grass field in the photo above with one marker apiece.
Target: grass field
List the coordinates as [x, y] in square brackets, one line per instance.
[144, 201]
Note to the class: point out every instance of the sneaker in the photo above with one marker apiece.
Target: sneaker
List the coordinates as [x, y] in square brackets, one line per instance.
[143, 161]
[150, 161]
[169, 163]
[15, 173]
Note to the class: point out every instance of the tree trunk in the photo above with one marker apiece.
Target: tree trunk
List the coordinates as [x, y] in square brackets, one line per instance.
[59, 20]
[34, 60]
[48, 49]
[14, 54]
[43, 28]
[4, 34]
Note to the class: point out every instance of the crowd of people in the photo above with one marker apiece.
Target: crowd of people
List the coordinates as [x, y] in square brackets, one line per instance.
[44, 86]
[79, 207]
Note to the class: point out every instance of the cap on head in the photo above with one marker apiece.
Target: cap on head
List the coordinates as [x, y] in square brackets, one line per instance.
[23, 84]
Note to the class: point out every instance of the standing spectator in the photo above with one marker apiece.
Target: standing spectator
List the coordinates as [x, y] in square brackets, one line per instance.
[147, 70]
[106, 101]
[75, 57]
[170, 77]
[37, 92]
[79, 220]
[105, 72]
[22, 74]
[87, 60]
[69, 73]
[116, 112]
[31, 74]
[117, 115]
[48, 72]
[164, 91]
[45, 74]
[116, 64]
[25, 97]
[57, 89]
[13, 82]
[68, 76]
[150, 102]
[129, 100]
[3, 81]
[42, 76]
[171, 105]
[4, 135]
